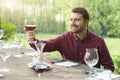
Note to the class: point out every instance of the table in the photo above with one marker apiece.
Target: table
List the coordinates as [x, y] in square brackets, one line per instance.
[20, 71]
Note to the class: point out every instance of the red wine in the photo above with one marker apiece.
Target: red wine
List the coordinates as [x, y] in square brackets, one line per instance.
[41, 68]
[30, 27]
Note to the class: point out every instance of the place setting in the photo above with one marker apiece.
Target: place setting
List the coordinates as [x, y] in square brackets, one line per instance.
[91, 58]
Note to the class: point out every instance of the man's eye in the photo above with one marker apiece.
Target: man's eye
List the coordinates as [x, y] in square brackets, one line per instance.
[70, 19]
[77, 19]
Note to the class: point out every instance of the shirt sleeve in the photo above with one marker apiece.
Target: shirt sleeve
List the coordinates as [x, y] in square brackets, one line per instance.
[51, 44]
[105, 58]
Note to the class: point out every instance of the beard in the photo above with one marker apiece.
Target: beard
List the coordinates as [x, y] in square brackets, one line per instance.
[76, 29]
[80, 30]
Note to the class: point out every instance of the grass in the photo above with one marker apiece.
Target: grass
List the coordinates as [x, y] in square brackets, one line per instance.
[112, 44]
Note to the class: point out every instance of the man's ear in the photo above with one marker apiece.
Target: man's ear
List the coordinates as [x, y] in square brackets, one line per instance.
[86, 21]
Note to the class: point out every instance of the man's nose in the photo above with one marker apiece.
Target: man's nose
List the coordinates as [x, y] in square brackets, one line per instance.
[72, 22]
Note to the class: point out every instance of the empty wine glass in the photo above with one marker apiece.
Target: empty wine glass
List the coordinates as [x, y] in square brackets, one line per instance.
[5, 54]
[18, 42]
[91, 58]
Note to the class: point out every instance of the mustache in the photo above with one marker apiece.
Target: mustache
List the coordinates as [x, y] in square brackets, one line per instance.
[74, 25]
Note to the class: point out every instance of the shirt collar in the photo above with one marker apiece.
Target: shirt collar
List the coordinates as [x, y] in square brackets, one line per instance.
[88, 36]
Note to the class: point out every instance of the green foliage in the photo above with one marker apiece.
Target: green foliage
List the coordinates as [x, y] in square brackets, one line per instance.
[104, 15]
[47, 24]
[9, 30]
[116, 59]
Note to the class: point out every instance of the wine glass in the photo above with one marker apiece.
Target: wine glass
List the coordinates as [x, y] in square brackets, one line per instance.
[5, 54]
[91, 59]
[1, 33]
[30, 23]
[18, 42]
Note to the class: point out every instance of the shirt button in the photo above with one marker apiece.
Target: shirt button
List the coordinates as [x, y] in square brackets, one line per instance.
[80, 44]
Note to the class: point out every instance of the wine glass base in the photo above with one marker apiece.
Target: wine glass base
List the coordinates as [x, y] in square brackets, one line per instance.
[19, 55]
[89, 78]
[1, 75]
[4, 70]
[2, 41]
[39, 74]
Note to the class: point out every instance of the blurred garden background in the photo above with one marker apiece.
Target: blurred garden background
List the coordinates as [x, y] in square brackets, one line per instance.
[52, 19]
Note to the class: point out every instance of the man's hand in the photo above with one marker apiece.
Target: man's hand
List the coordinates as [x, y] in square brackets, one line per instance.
[30, 35]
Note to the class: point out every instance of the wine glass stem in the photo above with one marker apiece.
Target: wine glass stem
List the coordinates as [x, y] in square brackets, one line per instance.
[19, 51]
[4, 60]
[39, 74]
[90, 71]
[19, 54]
[5, 69]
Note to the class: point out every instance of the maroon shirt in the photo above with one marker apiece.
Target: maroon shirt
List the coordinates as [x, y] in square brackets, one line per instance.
[74, 49]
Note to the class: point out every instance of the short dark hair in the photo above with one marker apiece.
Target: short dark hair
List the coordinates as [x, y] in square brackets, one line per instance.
[82, 11]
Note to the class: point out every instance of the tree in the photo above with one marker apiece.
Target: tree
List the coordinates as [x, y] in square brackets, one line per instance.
[104, 15]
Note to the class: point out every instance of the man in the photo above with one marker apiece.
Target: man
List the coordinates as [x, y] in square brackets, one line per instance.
[72, 45]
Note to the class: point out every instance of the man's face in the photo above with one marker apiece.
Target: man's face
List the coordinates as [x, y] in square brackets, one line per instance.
[77, 23]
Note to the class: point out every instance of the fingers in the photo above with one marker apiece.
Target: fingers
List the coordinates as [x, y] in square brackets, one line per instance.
[30, 35]
[25, 29]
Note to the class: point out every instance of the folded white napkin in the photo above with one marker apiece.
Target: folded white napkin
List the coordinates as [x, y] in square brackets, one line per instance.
[67, 63]
[106, 75]
[31, 53]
